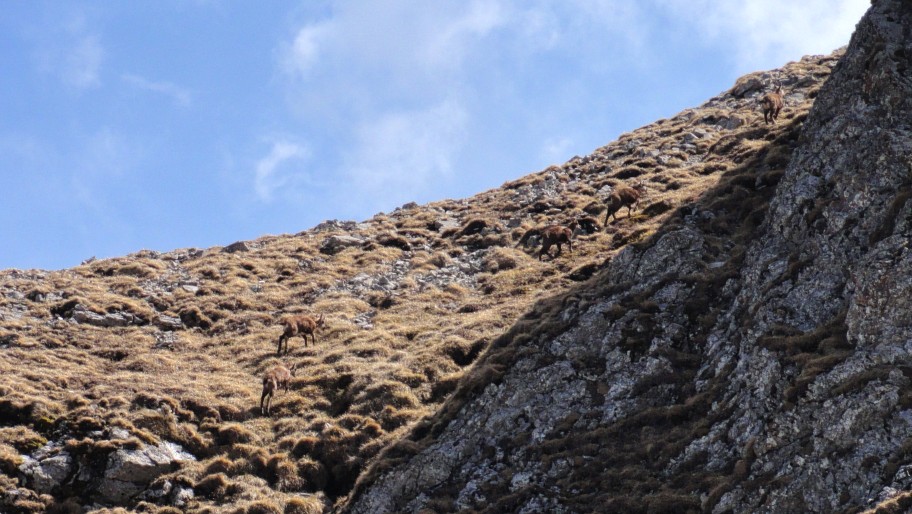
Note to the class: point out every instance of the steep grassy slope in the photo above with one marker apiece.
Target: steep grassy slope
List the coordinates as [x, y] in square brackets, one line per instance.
[172, 346]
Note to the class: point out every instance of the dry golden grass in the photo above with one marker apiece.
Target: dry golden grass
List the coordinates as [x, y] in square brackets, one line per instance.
[408, 313]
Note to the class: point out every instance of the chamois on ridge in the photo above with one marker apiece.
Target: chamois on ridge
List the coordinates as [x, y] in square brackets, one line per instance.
[772, 104]
[622, 196]
[278, 376]
[302, 325]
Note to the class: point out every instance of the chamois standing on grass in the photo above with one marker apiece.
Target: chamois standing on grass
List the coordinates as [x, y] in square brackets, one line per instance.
[301, 325]
[772, 104]
[550, 236]
[277, 377]
[556, 235]
[622, 196]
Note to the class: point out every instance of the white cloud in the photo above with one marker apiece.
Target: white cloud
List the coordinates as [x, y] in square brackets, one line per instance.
[394, 91]
[414, 40]
[385, 80]
[81, 64]
[180, 95]
[771, 31]
[272, 171]
[300, 56]
[398, 155]
[73, 53]
[556, 149]
[448, 45]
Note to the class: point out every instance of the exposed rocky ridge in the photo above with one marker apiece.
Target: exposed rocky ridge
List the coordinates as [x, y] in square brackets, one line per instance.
[169, 347]
[766, 372]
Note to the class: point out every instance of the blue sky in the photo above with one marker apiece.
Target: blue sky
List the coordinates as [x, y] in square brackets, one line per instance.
[169, 124]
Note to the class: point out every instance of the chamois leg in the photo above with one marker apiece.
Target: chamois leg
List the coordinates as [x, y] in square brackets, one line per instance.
[265, 399]
[544, 250]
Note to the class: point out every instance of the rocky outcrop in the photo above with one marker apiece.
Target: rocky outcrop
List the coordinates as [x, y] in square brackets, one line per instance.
[121, 477]
[335, 244]
[47, 469]
[239, 246]
[832, 265]
[80, 314]
[129, 472]
[754, 355]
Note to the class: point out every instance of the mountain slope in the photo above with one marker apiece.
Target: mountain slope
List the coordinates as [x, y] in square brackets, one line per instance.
[612, 373]
[753, 355]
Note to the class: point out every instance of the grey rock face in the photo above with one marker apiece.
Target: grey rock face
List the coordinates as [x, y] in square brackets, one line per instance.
[169, 493]
[127, 473]
[46, 472]
[169, 322]
[113, 319]
[130, 472]
[799, 350]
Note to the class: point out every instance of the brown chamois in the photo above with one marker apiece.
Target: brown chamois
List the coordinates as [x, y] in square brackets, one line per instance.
[622, 196]
[300, 325]
[278, 376]
[772, 104]
[556, 235]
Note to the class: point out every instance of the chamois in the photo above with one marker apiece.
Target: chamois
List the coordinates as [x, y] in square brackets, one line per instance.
[302, 325]
[549, 236]
[772, 104]
[556, 235]
[622, 196]
[277, 377]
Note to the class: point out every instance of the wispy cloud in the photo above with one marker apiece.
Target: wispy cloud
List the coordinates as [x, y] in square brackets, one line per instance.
[300, 56]
[389, 92]
[82, 63]
[179, 94]
[400, 103]
[448, 46]
[771, 31]
[274, 172]
[399, 154]
[75, 54]
[363, 38]
[555, 149]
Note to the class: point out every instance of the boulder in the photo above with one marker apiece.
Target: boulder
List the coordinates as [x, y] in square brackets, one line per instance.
[112, 319]
[335, 244]
[746, 85]
[239, 246]
[169, 322]
[130, 472]
[46, 473]
[443, 224]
